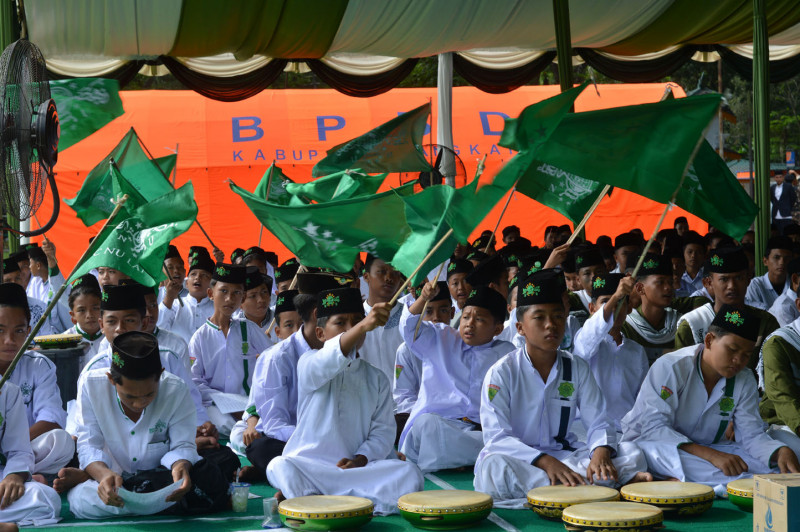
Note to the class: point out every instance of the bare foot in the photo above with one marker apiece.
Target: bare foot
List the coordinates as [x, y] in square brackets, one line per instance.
[279, 496]
[250, 474]
[68, 478]
[641, 476]
[39, 478]
[9, 527]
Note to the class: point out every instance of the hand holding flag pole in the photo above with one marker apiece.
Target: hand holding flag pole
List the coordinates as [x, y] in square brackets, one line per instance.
[588, 214]
[435, 280]
[405, 284]
[57, 295]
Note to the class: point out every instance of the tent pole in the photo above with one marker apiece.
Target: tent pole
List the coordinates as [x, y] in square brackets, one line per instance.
[444, 116]
[563, 43]
[761, 128]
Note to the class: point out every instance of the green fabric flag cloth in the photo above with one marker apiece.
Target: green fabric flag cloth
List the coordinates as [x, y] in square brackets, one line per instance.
[395, 146]
[84, 105]
[136, 245]
[331, 234]
[93, 201]
[338, 186]
[277, 181]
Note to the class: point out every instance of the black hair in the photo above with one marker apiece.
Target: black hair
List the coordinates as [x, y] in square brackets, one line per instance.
[368, 262]
[26, 309]
[83, 290]
[511, 296]
[116, 376]
[604, 241]
[305, 305]
[718, 331]
[321, 322]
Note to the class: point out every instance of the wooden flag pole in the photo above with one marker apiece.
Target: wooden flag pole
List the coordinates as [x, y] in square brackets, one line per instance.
[301, 269]
[419, 323]
[57, 295]
[421, 264]
[266, 198]
[491, 238]
[588, 214]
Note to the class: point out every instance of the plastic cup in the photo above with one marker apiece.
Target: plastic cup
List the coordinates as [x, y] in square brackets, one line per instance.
[240, 491]
[272, 518]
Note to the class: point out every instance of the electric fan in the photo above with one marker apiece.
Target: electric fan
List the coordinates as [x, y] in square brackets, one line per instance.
[29, 132]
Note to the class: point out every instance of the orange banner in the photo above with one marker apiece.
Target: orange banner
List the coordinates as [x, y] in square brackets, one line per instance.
[219, 141]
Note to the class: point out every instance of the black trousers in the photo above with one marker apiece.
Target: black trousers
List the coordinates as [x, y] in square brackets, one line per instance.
[261, 452]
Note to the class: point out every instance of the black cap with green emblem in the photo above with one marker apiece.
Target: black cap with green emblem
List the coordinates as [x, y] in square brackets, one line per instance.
[739, 321]
[339, 301]
[285, 301]
[541, 288]
[605, 284]
[229, 273]
[726, 260]
[201, 262]
[654, 265]
[135, 355]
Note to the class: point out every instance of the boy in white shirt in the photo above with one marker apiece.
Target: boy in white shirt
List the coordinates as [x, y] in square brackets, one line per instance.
[184, 319]
[84, 305]
[257, 297]
[342, 444]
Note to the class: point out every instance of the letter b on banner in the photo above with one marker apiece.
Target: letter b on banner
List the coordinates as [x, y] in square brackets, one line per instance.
[323, 128]
[246, 128]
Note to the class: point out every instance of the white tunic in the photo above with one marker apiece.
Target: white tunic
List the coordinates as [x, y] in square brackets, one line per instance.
[220, 362]
[56, 321]
[185, 320]
[380, 345]
[274, 392]
[264, 325]
[760, 293]
[35, 375]
[784, 309]
[618, 369]
[164, 433]
[93, 342]
[171, 362]
[452, 371]
[174, 345]
[45, 290]
[690, 285]
[407, 378]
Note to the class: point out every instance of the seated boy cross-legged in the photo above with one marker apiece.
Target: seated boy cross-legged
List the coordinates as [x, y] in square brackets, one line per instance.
[529, 401]
[342, 444]
[687, 401]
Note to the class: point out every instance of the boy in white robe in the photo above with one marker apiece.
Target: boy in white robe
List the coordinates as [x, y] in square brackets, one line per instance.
[84, 310]
[785, 308]
[380, 346]
[46, 278]
[342, 444]
[764, 290]
[169, 343]
[443, 430]
[529, 400]
[225, 349]
[56, 321]
[687, 401]
[618, 364]
[184, 319]
[24, 502]
[588, 263]
[134, 425]
[256, 304]
[407, 367]
[35, 375]
[176, 270]
[457, 272]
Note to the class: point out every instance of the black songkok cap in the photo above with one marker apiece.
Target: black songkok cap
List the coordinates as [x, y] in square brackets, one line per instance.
[738, 321]
[194, 251]
[726, 260]
[145, 290]
[339, 301]
[443, 294]
[172, 253]
[459, 266]
[476, 255]
[286, 271]
[229, 273]
[487, 271]
[776, 242]
[285, 301]
[627, 239]
[122, 297]
[256, 253]
[489, 299]
[135, 355]
[588, 256]
[86, 280]
[314, 283]
[10, 266]
[693, 237]
[541, 288]
[605, 284]
[254, 278]
[19, 256]
[201, 262]
[568, 266]
[654, 265]
[510, 229]
[13, 295]
[238, 252]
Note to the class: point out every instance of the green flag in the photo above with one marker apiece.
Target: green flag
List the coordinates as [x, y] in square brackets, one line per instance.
[136, 245]
[276, 181]
[338, 186]
[84, 106]
[331, 234]
[395, 146]
[92, 203]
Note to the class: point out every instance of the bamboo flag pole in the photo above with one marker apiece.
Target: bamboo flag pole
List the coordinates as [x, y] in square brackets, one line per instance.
[491, 238]
[57, 295]
[588, 214]
[403, 286]
[166, 271]
[419, 323]
[266, 198]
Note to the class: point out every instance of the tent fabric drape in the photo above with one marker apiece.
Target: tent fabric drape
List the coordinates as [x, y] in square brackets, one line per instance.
[779, 70]
[362, 86]
[227, 89]
[124, 72]
[501, 81]
[641, 71]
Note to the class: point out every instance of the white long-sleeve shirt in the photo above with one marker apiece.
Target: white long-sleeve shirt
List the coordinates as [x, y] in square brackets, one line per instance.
[35, 375]
[344, 407]
[521, 412]
[452, 371]
[407, 379]
[380, 345]
[15, 440]
[673, 407]
[186, 319]
[45, 290]
[274, 392]
[220, 362]
[618, 369]
[784, 309]
[94, 342]
[164, 433]
[760, 293]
